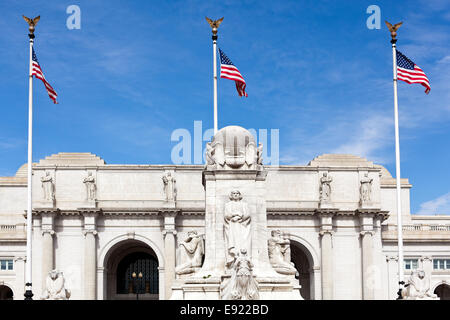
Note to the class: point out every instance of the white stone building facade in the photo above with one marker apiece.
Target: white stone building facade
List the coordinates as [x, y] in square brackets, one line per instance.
[98, 223]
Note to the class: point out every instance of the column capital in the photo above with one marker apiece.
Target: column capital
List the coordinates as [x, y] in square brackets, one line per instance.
[93, 231]
[424, 258]
[20, 258]
[49, 231]
[366, 232]
[326, 231]
[391, 258]
[167, 231]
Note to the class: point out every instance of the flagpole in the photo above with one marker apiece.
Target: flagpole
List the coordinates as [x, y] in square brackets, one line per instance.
[397, 167]
[28, 267]
[214, 38]
[215, 25]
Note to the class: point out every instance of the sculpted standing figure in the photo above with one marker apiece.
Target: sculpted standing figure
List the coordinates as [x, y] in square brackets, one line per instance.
[325, 187]
[170, 188]
[366, 189]
[48, 187]
[418, 287]
[237, 227]
[280, 253]
[89, 182]
[191, 252]
[55, 287]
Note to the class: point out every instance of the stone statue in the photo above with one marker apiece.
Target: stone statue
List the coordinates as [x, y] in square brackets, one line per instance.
[219, 154]
[191, 252]
[55, 287]
[250, 155]
[280, 253]
[259, 154]
[325, 188]
[237, 227]
[418, 287]
[209, 154]
[365, 190]
[170, 188]
[48, 187]
[89, 182]
[242, 285]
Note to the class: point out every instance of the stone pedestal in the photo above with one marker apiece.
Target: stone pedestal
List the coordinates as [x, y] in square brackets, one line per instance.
[233, 166]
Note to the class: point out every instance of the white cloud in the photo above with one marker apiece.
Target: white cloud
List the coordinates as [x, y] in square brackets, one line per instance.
[372, 135]
[440, 205]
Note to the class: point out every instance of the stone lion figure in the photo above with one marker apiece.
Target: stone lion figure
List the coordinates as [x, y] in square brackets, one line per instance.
[55, 287]
[418, 287]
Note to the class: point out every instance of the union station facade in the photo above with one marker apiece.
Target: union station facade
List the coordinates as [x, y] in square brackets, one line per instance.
[115, 231]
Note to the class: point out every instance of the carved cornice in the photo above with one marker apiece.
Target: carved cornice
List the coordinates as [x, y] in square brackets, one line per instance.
[169, 212]
[326, 212]
[291, 212]
[89, 212]
[130, 212]
[41, 211]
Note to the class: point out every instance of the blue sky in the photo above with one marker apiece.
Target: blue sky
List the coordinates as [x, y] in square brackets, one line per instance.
[138, 70]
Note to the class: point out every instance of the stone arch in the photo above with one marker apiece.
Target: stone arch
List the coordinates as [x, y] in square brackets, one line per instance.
[6, 292]
[112, 254]
[312, 253]
[306, 262]
[442, 289]
[106, 250]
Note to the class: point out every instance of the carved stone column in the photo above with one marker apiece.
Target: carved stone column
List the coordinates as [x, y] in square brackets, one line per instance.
[47, 227]
[169, 251]
[366, 223]
[326, 232]
[90, 256]
[367, 264]
[392, 271]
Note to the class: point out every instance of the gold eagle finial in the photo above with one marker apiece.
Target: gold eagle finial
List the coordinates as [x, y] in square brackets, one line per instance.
[31, 22]
[393, 28]
[214, 24]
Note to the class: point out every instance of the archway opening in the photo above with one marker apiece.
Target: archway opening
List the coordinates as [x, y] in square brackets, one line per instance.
[6, 293]
[302, 260]
[443, 291]
[132, 272]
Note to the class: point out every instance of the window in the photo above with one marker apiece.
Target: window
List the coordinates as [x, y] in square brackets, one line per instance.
[411, 264]
[441, 264]
[6, 265]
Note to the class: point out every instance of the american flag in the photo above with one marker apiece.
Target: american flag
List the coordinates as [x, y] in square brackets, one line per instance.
[37, 72]
[409, 72]
[229, 71]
